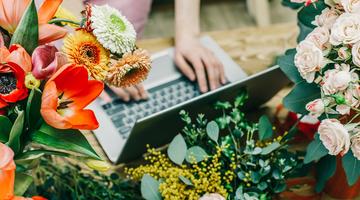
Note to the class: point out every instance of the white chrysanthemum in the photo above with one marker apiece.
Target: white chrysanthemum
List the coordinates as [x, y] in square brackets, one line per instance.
[112, 29]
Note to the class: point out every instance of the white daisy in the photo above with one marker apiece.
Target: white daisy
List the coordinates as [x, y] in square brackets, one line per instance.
[112, 29]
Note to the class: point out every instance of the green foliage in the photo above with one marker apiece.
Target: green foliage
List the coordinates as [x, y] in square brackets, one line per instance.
[22, 182]
[69, 140]
[177, 150]
[212, 130]
[58, 182]
[5, 128]
[196, 154]
[150, 188]
[27, 32]
[352, 168]
[16, 132]
[315, 150]
[292, 5]
[265, 128]
[326, 169]
[33, 107]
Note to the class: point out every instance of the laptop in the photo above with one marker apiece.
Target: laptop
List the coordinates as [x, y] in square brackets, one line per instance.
[127, 128]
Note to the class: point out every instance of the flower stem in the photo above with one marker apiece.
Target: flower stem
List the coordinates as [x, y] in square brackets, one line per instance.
[60, 20]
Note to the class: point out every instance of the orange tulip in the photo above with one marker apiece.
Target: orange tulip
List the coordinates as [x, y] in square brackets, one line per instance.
[7, 175]
[16, 54]
[65, 96]
[12, 11]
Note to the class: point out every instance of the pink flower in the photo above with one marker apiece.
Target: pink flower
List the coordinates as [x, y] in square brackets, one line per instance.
[334, 136]
[212, 196]
[316, 107]
[46, 60]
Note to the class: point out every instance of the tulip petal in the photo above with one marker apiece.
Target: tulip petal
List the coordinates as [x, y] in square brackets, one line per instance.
[49, 103]
[47, 10]
[11, 13]
[87, 95]
[2, 42]
[19, 56]
[3, 104]
[83, 120]
[7, 172]
[4, 54]
[44, 61]
[50, 32]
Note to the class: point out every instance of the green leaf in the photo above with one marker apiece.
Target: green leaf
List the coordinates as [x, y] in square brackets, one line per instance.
[315, 150]
[325, 169]
[292, 5]
[196, 154]
[351, 166]
[270, 148]
[5, 128]
[212, 130]
[16, 132]
[69, 140]
[177, 150]
[186, 181]
[22, 183]
[287, 65]
[33, 154]
[265, 128]
[150, 188]
[302, 94]
[27, 32]
[33, 108]
[255, 177]
[239, 194]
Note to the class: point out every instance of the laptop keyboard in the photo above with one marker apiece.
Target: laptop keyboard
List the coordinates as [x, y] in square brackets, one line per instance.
[124, 115]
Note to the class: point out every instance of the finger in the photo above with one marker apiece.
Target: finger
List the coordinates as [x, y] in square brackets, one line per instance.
[184, 67]
[105, 97]
[212, 71]
[134, 93]
[121, 93]
[143, 93]
[200, 74]
[222, 73]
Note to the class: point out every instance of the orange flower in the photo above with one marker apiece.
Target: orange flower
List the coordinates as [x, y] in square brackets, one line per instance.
[7, 175]
[65, 96]
[12, 11]
[16, 54]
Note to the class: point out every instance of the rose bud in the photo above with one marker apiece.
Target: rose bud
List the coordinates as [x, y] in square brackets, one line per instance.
[316, 107]
[46, 59]
[344, 53]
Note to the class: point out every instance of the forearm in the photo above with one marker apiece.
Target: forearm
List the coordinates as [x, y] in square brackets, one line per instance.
[187, 18]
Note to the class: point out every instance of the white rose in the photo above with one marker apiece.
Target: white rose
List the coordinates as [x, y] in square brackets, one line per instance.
[355, 51]
[213, 196]
[352, 99]
[320, 37]
[316, 107]
[334, 136]
[355, 145]
[337, 79]
[351, 6]
[346, 29]
[344, 53]
[327, 18]
[308, 59]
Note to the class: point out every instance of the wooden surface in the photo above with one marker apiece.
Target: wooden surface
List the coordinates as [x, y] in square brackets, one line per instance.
[254, 49]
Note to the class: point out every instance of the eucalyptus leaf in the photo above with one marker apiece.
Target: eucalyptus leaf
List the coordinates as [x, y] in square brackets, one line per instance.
[315, 150]
[27, 31]
[196, 154]
[69, 140]
[186, 181]
[239, 194]
[325, 169]
[177, 150]
[212, 130]
[5, 128]
[265, 128]
[270, 148]
[150, 188]
[351, 167]
[22, 183]
[287, 65]
[16, 132]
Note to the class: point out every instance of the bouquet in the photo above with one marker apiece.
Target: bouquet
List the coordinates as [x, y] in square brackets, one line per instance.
[44, 92]
[227, 158]
[325, 69]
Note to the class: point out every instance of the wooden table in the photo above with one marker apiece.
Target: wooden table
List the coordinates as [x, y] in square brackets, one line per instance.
[254, 49]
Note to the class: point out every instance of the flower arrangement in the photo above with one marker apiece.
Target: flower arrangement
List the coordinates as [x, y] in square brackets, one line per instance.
[44, 92]
[325, 69]
[220, 159]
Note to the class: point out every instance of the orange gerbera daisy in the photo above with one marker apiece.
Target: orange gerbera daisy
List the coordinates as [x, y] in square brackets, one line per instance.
[12, 11]
[82, 48]
[65, 96]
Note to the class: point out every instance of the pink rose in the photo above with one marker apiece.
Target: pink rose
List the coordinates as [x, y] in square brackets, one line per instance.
[212, 196]
[316, 107]
[320, 37]
[351, 6]
[337, 79]
[46, 59]
[327, 18]
[334, 136]
[355, 145]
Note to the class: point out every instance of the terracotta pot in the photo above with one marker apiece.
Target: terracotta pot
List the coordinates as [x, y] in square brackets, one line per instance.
[337, 186]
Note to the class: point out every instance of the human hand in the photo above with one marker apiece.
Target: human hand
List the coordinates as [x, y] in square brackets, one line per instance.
[136, 93]
[199, 63]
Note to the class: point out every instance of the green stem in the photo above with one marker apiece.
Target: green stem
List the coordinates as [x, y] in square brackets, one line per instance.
[60, 20]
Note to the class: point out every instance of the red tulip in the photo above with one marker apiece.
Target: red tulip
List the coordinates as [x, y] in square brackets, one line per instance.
[46, 60]
[12, 86]
[16, 54]
[65, 96]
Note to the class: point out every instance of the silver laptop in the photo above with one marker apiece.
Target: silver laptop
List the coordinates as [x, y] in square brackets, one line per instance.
[126, 128]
